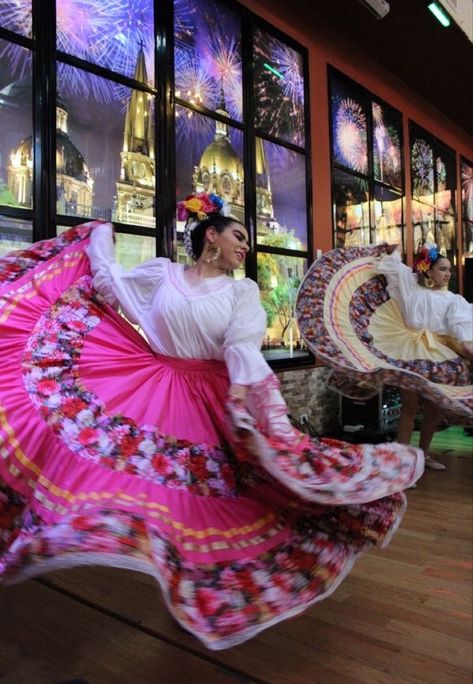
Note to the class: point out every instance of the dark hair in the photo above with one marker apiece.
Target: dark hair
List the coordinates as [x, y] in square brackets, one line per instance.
[216, 221]
[422, 275]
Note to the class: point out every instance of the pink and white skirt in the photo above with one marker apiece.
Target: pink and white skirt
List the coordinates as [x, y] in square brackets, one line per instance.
[114, 455]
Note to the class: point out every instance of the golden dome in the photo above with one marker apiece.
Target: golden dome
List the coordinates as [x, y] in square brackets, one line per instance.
[69, 160]
[220, 157]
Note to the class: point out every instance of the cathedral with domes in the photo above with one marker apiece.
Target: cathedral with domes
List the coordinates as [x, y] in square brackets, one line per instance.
[75, 186]
[220, 171]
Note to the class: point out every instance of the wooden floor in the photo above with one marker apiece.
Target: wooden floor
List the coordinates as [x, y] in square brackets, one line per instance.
[403, 614]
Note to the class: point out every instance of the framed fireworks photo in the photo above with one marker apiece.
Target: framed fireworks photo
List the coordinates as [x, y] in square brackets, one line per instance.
[466, 171]
[143, 102]
[367, 166]
[433, 191]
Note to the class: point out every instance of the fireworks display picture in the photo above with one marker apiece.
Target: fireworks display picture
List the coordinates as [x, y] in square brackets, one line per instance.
[422, 168]
[109, 33]
[387, 157]
[349, 131]
[278, 89]
[208, 69]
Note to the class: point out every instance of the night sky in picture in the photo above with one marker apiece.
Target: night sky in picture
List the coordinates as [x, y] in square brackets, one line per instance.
[386, 147]
[349, 128]
[288, 185]
[109, 33]
[208, 55]
[208, 72]
[278, 89]
[194, 132]
[422, 165]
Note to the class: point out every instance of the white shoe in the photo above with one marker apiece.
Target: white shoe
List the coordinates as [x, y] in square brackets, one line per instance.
[433, 464]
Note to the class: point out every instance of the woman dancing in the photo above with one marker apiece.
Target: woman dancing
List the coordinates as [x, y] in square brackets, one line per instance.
[173, 455]
[375, 321]
[427, 307]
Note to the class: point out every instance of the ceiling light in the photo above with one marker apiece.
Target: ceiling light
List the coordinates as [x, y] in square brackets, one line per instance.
[439, 13]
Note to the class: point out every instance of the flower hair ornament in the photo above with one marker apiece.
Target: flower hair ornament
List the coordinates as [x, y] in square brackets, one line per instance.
[194, 209]
[425, 257]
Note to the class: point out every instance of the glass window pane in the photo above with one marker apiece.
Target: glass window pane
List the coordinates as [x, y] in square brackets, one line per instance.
[105, 152]
[445, 230]
[14, 234]
[15, 15]
[467, 205]
[208, 69]
[16, 127]
[388, 216]
[387, 155]
[445, 180]
[278, 88]
[112, 34]
[351, 210]
[281, 210]
[423, 221]
[349, 126]
[132, 250]
[422, 170]
[209, 158]
[279, 277]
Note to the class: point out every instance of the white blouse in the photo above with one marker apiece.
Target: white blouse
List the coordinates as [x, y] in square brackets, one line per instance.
[439, 311]
[220, 319]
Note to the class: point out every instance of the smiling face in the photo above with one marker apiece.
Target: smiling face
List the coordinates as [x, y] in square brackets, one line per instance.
[233, 243]
[440, 272]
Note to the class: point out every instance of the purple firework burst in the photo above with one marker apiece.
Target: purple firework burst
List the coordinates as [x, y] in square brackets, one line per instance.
[279, 88]
[422, 164]
[351, 135]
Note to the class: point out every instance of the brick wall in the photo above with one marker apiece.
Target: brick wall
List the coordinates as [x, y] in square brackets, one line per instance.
[306, 393]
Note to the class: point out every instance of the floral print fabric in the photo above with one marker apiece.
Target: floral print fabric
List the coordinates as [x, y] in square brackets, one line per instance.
[335, 304]
[240, 534]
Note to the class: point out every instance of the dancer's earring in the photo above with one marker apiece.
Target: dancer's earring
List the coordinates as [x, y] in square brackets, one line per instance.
[211, 253]
[428, 282]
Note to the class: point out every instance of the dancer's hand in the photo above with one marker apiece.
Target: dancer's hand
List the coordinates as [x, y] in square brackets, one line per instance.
[237, 392]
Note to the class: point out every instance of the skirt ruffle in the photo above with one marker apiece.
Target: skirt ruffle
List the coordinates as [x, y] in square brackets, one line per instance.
[114, 455]
[349, 321]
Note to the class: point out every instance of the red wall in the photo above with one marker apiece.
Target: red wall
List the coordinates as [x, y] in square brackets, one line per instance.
[328, 47]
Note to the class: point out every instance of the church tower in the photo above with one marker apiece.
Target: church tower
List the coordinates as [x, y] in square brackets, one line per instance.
[136, 187]
[265, 220]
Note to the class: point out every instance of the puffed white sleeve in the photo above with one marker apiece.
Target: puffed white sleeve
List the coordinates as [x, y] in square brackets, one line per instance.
[460, 319]
[132, 290]
[401, 280]
[242, 342]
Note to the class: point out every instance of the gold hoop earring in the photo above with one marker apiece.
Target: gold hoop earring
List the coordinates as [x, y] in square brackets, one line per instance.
[428, 282]
[211, 253]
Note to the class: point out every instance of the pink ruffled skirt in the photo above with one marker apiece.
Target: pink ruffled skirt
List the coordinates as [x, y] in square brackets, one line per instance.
[114, 455]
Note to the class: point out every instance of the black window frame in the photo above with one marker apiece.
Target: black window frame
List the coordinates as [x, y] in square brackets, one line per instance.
[46, 56]
[415, 130]
[367, 97]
